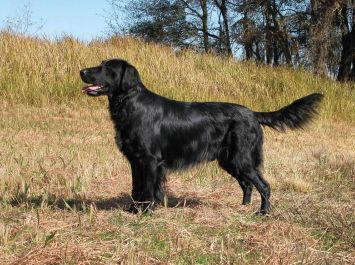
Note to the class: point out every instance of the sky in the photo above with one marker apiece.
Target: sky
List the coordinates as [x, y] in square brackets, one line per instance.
[84, 19]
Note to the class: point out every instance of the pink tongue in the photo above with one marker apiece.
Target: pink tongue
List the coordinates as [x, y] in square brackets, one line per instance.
[90, 88]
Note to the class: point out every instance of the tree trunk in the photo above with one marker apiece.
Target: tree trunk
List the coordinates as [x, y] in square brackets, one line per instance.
[268, 33]
[346, 66]
[248, 50]
[204, 19]
[276, 53]
[226, 36]
[281, 39]
[257, 52]
[276, 32]
[352, 75]
[322, 14]
[248, 37]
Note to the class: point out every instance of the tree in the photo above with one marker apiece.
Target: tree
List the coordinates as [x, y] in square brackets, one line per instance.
[265, 31]
[199, 9]
[322, 15]
[161, 21]
[23, 22]
[316, 34]
[247, 30]
[215, 33]
[248, 36]
[224, 28]
[204, 18]
[346, 21]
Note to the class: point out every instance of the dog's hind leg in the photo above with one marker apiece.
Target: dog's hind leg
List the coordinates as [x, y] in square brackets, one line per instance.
[241, 158]
[247, 188]
[245, 184]
[254, 176]
[247, 178]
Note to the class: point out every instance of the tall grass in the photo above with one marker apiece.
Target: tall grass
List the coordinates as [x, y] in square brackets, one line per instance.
[38, 71]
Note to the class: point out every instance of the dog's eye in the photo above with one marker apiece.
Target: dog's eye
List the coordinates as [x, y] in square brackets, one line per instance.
[109, 65]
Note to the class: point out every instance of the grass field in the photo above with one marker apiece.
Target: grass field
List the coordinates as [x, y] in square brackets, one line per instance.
[64, 186]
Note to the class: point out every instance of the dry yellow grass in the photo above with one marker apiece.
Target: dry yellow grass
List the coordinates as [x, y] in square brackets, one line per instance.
[64, 185]
[36, 71]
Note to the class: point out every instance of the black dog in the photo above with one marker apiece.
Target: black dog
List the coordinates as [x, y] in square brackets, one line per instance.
[158, 135]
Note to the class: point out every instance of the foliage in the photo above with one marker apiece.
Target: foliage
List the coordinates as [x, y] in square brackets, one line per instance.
[319, 35]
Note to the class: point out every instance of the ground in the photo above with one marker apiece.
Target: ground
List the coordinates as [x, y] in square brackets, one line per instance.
[64, 188]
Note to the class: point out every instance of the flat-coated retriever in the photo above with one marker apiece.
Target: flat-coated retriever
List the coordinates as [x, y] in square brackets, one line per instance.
[158, 134]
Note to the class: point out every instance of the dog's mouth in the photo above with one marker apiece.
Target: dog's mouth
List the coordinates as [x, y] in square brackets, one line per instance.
[95, 90]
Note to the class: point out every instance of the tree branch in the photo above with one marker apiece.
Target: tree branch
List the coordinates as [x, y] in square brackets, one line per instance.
[191, 9]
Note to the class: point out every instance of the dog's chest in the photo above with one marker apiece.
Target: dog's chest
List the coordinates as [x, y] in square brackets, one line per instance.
[118, 140]
[125, 141]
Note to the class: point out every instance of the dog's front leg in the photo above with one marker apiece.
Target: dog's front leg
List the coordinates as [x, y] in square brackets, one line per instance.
[144, 178]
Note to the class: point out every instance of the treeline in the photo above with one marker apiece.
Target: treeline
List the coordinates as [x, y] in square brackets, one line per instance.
[319, 35]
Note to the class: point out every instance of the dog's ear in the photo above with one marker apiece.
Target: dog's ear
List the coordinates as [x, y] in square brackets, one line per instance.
[130, 77]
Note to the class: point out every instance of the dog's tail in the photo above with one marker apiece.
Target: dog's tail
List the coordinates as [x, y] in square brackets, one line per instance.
[294, 116]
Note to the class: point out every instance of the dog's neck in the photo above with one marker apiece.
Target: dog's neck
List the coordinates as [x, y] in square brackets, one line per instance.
[118, 106]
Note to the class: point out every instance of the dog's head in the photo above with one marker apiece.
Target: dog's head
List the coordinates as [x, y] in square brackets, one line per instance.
[110, 77]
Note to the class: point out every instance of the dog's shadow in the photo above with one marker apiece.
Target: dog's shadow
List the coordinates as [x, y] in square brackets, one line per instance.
[122, 202]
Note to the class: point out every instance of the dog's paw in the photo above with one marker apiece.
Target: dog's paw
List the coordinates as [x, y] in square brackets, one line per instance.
[132, 208]
[141, 207]
[262, 213]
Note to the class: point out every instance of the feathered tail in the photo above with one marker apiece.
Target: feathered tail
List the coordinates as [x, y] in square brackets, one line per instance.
[294, 116]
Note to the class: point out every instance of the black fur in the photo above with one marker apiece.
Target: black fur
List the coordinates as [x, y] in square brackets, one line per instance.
[158, 134]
